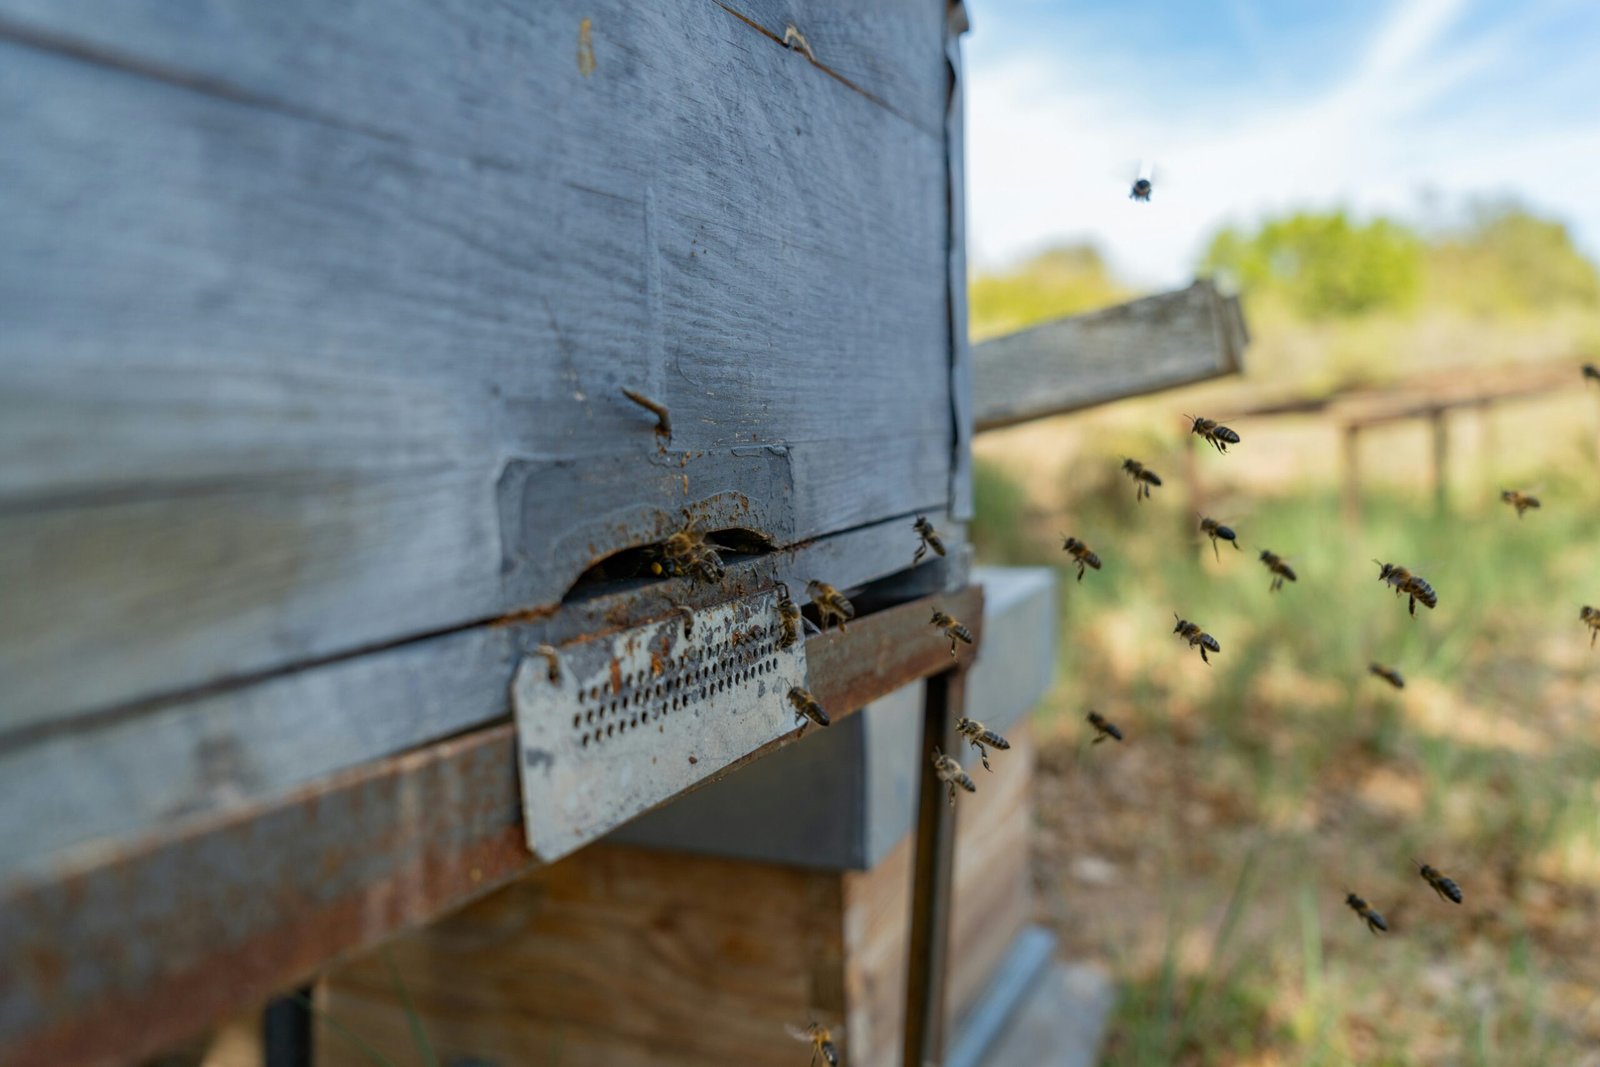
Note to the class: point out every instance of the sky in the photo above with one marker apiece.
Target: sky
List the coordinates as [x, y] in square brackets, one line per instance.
[1254, 108]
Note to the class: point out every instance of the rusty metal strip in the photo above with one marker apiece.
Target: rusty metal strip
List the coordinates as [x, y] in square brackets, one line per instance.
[127, 949]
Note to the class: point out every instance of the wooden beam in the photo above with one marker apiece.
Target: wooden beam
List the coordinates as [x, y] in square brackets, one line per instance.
[122, 950]
[1158, 342]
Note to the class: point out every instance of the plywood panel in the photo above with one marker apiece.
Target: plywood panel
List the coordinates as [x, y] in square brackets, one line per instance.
[321, 317]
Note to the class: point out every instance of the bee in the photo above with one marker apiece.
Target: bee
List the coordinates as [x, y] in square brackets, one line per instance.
[950, 772]
[790, 621]
[1103, 728]
[930, 539]
[1591, 618]
[1388, 674]
[953, 629]
[1519, 500]
[821, 1042]
[1081, 554]
[1143, 477]
[1215, 530]
[806, 707]
[1414, 586]
[1195, 636]
[688, 553]
[1446, 889]
[1590, 371]
[830, 603]
[1212, 430]
[980, 736]
[1142, 184]
[1374, 921]
[1279, 567]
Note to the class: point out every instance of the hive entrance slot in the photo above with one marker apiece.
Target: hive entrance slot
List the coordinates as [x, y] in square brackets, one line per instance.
[733, 544]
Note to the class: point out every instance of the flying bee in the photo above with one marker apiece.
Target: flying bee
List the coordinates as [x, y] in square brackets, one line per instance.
[1591, 619]
[950, 772]
[1388, 674]
[1279, 567]
[1212, 430]
[821, 1042]
[1446, 889]
[1519, 500]
[1081, 554]
[1215, 530]
[1103, 728]
[981, 738]
[1143, 477]
[1143, 183]
[806, 707]
[953, 629]
[930, 539]
[1195, 636]
[1590, 371]
[830, 603]
[1414, 586]
[1374, 921]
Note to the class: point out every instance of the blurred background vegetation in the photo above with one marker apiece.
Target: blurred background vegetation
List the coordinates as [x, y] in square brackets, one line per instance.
[1206, 859]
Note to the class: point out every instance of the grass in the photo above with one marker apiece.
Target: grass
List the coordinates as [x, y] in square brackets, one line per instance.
[1252, 794]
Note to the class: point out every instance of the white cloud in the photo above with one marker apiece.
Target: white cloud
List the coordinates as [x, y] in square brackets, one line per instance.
[1048, 151]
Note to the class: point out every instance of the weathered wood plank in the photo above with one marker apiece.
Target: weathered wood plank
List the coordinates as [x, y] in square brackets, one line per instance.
[221, 750]
[1158, 342]
[123, 949]
[324, 317]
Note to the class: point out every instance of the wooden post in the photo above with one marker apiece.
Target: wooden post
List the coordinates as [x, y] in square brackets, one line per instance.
[1441, 455]
[1350, 469]
[931, 878]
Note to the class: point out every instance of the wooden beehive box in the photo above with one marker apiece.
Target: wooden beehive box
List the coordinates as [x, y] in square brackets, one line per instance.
[318, 321]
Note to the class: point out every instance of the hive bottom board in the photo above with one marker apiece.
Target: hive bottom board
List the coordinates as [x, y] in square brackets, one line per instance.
[628, 957]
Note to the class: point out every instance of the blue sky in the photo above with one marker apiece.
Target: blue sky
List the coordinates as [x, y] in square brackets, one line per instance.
[1253, 107]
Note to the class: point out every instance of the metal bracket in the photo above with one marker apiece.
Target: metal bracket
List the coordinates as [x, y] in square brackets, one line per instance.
[632, 720]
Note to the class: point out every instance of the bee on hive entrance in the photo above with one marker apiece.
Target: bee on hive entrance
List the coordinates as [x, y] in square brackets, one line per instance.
[1215, 530]
[1195, 636]
[791, 623]
[1081, 554]
[1280, 569]
[950, 772]
[1374, 921]
[1446, 889]
[952, 628]
[1388, 674]
[930, 539]
[688, 553]
[1143, 477]
[821, 1042]
[1519, 500]
[1414, 586]
[806, 707]
[1591, 619]
[981, 738]
[830, 603]
[1103, 728]
[1212, 430]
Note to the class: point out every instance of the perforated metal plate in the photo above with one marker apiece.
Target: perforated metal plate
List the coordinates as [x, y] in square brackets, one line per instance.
[634, 719]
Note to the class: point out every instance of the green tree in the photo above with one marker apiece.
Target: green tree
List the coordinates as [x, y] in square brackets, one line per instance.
[1060, 281]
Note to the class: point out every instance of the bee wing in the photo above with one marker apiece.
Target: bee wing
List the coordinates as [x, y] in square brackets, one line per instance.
[799, 1033]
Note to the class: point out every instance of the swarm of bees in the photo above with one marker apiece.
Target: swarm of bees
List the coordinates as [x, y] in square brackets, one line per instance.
[1143, 478]
[1081, 555]
[1519, 500]
[1280, 569]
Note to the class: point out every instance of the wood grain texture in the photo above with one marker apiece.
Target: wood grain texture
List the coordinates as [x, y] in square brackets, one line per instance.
[1158, 342]
[224, 750]
[323, 316]
[628, 957]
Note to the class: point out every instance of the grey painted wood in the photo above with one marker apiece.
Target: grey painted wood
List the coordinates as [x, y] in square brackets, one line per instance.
[114, 777]
[961, 399]
[1158, 342]
[318, 317]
